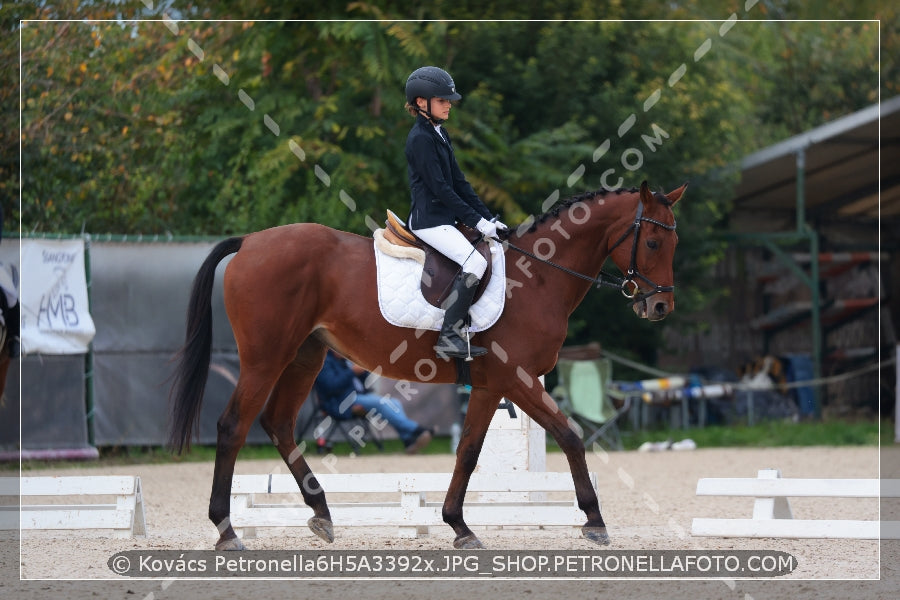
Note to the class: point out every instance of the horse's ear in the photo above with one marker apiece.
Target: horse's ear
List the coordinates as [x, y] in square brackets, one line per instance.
[646, 194]
[675, 195]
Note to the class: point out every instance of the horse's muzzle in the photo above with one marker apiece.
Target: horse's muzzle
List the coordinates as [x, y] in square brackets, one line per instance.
[652, 308]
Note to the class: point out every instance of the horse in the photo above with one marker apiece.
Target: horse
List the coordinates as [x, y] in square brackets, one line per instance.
[293, 291]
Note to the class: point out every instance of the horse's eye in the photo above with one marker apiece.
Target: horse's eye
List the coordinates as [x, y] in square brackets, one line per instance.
[652, 244]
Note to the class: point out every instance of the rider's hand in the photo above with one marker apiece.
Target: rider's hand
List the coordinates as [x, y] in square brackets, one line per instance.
[501, 226]
[487, 228]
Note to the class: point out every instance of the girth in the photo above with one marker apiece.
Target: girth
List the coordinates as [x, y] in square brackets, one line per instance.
[439, 272]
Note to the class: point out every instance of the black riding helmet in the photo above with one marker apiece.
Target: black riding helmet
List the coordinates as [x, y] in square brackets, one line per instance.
[428, 83]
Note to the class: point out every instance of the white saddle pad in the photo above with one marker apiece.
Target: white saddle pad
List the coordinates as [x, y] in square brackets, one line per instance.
[400, 297]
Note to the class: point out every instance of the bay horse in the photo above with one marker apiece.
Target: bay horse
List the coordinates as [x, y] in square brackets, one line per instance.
[293, 291]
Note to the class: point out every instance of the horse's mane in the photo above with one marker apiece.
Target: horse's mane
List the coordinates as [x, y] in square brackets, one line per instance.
[554, 211]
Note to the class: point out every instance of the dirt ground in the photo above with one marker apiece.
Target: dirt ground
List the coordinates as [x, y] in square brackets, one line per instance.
[647, 499]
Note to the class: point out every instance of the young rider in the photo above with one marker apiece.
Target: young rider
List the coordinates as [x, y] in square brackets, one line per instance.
[442, 197]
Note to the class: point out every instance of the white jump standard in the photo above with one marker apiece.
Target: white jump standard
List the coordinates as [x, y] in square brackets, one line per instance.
[772, 515]
[125, 518]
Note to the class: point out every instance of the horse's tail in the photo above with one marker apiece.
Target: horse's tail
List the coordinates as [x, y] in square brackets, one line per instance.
[190, 375]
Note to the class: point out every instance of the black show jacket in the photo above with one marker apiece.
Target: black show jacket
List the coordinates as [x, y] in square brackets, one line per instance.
[439, 191]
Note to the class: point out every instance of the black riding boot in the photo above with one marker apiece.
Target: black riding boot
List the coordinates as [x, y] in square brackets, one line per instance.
[450, 343]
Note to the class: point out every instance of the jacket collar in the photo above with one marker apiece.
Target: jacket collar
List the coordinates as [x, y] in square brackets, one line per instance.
[424, 122]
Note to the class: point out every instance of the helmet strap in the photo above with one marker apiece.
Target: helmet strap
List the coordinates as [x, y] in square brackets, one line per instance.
[427, 113]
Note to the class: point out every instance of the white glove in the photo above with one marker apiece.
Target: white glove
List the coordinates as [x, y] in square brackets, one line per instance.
[501, 226]
[487, 228]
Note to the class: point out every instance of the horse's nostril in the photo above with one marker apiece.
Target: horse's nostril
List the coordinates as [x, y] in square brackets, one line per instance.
[661, 308]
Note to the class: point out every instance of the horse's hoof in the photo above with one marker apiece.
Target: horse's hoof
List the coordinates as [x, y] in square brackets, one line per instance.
[230, 544]
[597, 535]
[322, 528]
[469, 542]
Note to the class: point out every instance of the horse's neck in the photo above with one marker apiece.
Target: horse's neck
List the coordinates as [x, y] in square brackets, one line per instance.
[578, 240]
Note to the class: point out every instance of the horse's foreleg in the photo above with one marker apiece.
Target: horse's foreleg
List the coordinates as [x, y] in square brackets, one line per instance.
[279, 419]
[246, 402]
[482, 405]
[541, 407]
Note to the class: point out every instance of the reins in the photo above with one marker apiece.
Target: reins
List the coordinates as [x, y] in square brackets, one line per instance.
[627, 285]
[595, 280]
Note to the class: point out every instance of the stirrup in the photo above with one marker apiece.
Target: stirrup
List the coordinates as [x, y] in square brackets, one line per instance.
[455, 349]
[468, 345]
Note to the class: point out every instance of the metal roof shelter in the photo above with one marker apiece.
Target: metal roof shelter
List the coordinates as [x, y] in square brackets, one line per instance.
[831, 187]
[830, 174]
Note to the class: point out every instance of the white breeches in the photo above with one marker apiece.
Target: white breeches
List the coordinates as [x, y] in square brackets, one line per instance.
[450, 242]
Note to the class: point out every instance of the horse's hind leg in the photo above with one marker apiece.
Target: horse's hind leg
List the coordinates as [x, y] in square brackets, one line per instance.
[541, 407]
[482, 405]
[246, 402]
[279, 419]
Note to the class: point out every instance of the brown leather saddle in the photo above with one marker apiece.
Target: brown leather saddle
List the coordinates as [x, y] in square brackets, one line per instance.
[439, 272]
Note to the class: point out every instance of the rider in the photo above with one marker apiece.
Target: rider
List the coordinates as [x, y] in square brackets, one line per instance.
[441, 197]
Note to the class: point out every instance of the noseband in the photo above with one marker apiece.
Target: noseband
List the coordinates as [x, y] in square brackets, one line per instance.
[627, 285]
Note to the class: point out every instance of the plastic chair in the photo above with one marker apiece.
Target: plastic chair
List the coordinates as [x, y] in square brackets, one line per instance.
[349, 427]
[583, 393]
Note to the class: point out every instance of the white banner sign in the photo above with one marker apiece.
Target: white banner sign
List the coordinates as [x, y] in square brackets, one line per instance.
[53, 295]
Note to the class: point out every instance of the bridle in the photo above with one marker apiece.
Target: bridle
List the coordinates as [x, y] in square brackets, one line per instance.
[627, 285]
[635, 293]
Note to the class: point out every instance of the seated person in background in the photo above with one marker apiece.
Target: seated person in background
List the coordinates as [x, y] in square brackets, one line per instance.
[341, 394]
